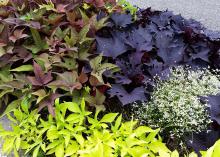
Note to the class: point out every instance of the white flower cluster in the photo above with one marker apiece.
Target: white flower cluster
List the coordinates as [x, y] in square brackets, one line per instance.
[175, 106]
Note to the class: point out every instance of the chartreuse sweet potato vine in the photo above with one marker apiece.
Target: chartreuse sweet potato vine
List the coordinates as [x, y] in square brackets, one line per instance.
[75, 131]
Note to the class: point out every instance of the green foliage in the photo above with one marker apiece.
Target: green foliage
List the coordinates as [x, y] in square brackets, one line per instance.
[175, 106]
[127, 6]
[74, 131]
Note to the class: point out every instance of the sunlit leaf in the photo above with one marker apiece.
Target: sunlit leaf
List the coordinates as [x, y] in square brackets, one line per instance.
[23, 68]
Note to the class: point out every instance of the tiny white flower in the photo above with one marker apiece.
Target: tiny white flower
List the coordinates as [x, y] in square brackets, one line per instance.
[175, 106]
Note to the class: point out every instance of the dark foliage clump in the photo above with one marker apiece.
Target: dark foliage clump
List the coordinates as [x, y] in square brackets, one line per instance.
[149, 46]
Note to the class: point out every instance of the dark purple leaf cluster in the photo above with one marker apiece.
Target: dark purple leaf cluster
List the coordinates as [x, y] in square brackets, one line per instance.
[149, 46]
[214, 102]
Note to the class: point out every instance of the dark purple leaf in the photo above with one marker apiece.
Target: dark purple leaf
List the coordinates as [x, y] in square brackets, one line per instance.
[201, 51]
[121, 79]
[136, 95]
[19, 22]
[214, 102]
[129, 67]
[111, 47]
[4, 36]
[121, 20]
[170, 49]
[203, 140]
[138, 38]
[40, 78]
[49, 103]
[21, 53]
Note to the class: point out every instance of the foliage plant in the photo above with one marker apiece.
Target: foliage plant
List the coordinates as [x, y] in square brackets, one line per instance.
[74, 131]
[175, 105]
[214, 151]
[47, 51]
[150, 45]
[128, 7]
[95, 49]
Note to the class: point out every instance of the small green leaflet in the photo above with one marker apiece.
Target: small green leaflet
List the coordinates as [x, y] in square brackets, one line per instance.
[23, 68]
[39, 44]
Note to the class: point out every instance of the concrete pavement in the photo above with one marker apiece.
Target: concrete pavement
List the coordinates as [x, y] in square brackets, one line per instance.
[205, 11]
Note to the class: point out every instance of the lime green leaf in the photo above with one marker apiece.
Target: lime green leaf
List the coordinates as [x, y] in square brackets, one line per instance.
[43, 147]
[25, 104]
[139, 151]
[175, 154]
[23, 68]
[216, 151]
[67, 139]
[158, 147]
[15, 152]
[18, 115]
[83, 104]
[152, 135]
[25, 145]
[53, 145]
[108, 118]
[52, 134]
[51, 151]
[193, 154]
[36, 151]
[71, 149]
[118, 122]
[74, 107]
[59, 152]
[79, 139]
[73, 118]
[18, 143]
[12, 106]
[98, 151]
[164, 154]
[143, 130]
[8, 145]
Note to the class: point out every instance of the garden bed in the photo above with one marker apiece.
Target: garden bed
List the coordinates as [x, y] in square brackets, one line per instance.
[100, 78]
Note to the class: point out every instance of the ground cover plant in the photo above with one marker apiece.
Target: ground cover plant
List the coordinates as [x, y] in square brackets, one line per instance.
[80, 134]
[75, 131]
[100, 51]
[176, 104]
